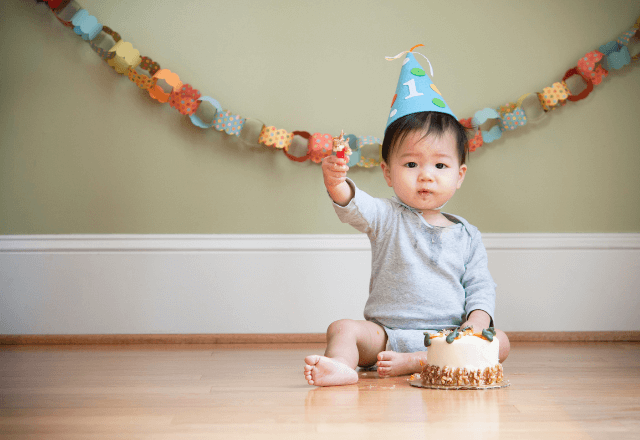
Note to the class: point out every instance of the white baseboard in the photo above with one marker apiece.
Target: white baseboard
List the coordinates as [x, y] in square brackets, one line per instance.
[235, 284]
[266, 242]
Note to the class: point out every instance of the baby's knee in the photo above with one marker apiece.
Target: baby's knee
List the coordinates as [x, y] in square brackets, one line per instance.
[505, 345]
[341, 326]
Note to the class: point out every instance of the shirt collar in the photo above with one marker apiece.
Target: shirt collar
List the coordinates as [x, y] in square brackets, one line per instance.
[415, 211]
[401, 203]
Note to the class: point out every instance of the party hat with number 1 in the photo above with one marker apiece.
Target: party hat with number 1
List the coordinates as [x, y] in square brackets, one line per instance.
[415, 91]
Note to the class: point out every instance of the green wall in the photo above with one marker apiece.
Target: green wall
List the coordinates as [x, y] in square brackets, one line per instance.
[83, 150]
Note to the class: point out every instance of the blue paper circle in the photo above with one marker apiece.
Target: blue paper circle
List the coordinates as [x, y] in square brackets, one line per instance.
[198, 122]
[355, 151]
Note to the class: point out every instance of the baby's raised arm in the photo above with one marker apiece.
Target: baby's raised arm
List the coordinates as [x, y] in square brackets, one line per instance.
[334, 171]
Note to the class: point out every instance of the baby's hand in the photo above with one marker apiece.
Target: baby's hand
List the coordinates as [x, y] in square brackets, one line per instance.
[334, 171]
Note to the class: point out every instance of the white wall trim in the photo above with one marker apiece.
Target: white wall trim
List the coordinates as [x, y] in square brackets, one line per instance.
[280, 284]
[290, 242]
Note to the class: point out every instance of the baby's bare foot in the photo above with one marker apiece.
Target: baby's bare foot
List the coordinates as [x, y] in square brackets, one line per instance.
[323, 371]
[391, 363]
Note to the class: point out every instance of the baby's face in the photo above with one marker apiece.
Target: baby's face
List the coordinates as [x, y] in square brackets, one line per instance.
[425, 172]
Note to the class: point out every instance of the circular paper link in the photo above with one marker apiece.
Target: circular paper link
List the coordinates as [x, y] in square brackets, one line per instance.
[589, 68]
[466, 123]
[105, 54]
[304, 135]
[85, 25]
[584, 93]
[198, 122]
[531, 96]
[58, 5]
[367, 140]
[511, 116]
[276, 138]
[149, 65]
[475, 141]
[626, 37]
[482, 116]
[354, 159]
[171, 78]
[553, 97]
[185, 99]
[230, 123]
[64, 22]
[143, 81]
[250, 129]
[369, 162]
[618, 59]
[320, 146]
[125, 56]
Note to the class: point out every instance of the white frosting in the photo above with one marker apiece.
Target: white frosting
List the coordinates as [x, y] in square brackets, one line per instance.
[470, 352]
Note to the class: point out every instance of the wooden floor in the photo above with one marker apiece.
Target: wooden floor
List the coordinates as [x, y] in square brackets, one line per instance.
[558, 391]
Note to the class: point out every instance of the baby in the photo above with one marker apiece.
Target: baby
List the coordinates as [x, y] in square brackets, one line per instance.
[429, 269]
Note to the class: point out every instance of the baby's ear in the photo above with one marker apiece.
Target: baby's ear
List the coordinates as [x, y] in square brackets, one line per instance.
[462, 173]
[386, 171]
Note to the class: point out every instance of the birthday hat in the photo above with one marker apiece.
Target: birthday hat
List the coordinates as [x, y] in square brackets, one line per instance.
[415, 91]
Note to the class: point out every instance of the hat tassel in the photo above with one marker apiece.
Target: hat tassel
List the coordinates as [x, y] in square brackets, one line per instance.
[411, 50]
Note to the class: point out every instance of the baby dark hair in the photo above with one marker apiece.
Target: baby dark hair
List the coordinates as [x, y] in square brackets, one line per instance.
[432, 123]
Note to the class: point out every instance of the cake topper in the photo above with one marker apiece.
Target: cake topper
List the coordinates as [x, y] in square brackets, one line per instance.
[341, 146]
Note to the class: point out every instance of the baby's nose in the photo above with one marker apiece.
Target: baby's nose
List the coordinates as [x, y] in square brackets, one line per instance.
[425, 174]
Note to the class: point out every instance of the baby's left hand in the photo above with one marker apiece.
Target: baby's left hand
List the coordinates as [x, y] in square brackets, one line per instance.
[478, 321]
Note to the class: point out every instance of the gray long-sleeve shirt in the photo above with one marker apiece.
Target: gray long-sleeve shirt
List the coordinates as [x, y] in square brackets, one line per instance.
[422, 276]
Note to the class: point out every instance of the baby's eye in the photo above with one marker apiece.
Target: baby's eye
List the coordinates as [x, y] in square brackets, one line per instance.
[411, 165]
[440, 166]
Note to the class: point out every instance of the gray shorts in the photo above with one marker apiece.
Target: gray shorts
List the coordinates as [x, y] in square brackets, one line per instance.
[408, 341]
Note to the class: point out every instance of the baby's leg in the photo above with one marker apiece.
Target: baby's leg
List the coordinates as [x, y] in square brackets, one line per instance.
[505, 346]
[349, 344]
[391, 363]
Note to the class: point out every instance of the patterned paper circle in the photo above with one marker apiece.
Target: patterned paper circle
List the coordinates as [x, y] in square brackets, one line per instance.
[320, 146]
[229, 123]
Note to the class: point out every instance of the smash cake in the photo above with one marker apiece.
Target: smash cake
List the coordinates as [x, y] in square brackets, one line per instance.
[462, 358]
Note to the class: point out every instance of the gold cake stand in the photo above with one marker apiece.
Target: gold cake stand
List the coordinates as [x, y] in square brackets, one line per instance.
[418, 383]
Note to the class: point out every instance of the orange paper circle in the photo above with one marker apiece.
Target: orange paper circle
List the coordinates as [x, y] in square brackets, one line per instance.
[171, 78]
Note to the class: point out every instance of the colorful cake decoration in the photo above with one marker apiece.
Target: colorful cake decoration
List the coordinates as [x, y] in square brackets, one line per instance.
[341, 146]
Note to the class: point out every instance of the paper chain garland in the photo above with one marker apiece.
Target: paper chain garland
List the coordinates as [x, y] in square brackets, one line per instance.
[125, 59]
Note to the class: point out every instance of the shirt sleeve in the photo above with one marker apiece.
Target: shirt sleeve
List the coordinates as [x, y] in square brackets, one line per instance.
[365, 213]
[479, 287]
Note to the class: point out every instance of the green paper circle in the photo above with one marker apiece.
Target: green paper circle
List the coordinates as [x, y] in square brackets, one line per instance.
[438, 102]
[418, 72]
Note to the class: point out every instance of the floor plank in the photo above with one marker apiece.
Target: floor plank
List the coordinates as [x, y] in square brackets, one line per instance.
[562, 391]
